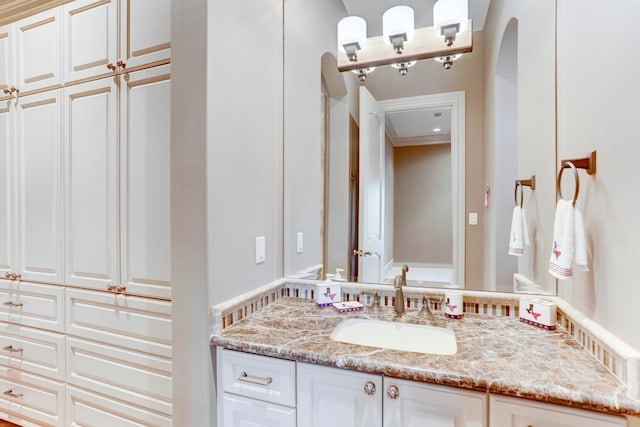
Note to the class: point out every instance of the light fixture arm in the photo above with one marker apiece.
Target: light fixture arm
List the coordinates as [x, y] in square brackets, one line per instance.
[449, 32]
[352, 50]
[397, 41]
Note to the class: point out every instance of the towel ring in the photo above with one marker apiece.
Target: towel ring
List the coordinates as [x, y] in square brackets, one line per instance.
[515, 194]
[575, 173]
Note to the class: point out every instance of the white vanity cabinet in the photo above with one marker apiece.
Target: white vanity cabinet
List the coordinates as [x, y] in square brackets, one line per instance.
[338, 397]
[409, 403]
[102, 37]
[515, 412]
[256, 390]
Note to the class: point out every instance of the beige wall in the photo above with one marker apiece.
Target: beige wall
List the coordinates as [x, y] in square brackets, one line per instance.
[423, 222]
[429, 77]
[598, 104]
[536, 127]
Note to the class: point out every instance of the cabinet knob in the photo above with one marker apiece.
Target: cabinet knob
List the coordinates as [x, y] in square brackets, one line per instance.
[393, 392]
[12, 304]
[7, 91]
[369, 388]
[111, 66]
[121, 64]
[111, 287]
[121, 288]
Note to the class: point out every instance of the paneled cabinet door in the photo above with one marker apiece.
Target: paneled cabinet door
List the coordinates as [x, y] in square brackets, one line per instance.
[38, 42]
[408, 403]
[145, 32]
[514, 412]
[338, 398]
[243, 412]
[7, 186]
[90, 39]
[91, 184]
[7, 61]
[39, 187]
[145, 220]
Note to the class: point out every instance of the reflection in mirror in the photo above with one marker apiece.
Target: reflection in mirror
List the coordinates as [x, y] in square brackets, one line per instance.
[322, 202]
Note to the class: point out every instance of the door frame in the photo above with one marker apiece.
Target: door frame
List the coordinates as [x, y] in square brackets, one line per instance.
[455, 101]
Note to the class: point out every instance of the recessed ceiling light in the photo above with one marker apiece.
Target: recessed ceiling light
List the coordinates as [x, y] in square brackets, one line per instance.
[437, 129]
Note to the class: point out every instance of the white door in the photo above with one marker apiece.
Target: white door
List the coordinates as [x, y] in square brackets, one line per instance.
[145, 182]
[7, 59]
[91, 184]
[372, 143]
[7, 187]
[243, 412]
[39, 183]
[412, 404]
[338, 398]
[144, 40]
[90, 38]
[38, 40]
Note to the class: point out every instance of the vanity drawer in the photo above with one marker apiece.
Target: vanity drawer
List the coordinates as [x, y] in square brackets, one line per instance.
[32, 304]
[90, 409]
[138, 378]
[137, 323]
[24, 396]
[259, 377]
[32, 350]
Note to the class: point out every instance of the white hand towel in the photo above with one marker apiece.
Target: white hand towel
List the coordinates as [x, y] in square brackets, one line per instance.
[569, 243]
[581, 260]
[519, 235]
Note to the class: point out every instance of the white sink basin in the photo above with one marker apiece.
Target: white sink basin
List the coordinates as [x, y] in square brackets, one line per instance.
[396, 336]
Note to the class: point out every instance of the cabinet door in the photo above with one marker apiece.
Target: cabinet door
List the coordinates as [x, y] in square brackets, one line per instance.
[7, 185]
[145, 32]
[408, 403]
[514, 412]
[243, 412]
[338, 398]
[7, 59]
[145, 183]
[39, 166]
[38, 40]
[91, 179]
[90, 38]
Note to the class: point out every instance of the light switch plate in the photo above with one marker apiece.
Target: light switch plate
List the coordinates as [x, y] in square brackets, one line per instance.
[260, 249]
[473, 218]
[299, 242]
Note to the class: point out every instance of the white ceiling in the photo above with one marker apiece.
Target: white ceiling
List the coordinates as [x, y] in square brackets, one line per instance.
[416, 127]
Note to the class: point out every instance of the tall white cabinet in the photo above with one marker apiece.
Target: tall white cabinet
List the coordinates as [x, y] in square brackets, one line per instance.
[85, 278]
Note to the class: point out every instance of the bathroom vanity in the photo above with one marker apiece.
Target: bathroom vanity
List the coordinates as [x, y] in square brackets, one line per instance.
[280, 364]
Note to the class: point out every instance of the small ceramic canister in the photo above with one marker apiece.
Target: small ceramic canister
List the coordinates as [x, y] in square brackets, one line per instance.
[453, 305]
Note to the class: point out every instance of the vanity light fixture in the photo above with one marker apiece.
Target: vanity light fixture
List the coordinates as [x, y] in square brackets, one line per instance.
[450, 18]
[397, 27]
[401, 45]
[447, 61]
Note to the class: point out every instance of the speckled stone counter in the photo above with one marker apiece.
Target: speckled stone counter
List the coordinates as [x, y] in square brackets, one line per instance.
[495, 354]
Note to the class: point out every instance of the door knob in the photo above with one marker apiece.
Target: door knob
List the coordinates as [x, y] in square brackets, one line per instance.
[360, 252]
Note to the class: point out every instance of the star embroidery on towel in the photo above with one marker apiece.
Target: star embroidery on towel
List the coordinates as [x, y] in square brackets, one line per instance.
[556, 251]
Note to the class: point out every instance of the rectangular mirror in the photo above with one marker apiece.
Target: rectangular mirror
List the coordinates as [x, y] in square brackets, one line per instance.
[420, 169]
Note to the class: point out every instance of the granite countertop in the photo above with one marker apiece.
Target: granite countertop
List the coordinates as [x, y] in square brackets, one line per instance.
[496, 354]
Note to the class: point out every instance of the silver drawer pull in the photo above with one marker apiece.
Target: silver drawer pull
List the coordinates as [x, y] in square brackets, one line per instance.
[12, 393]
[12, 349]
[13, 304]
[244, 377]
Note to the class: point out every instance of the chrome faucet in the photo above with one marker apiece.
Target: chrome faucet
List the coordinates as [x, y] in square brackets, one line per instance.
[398, 283]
